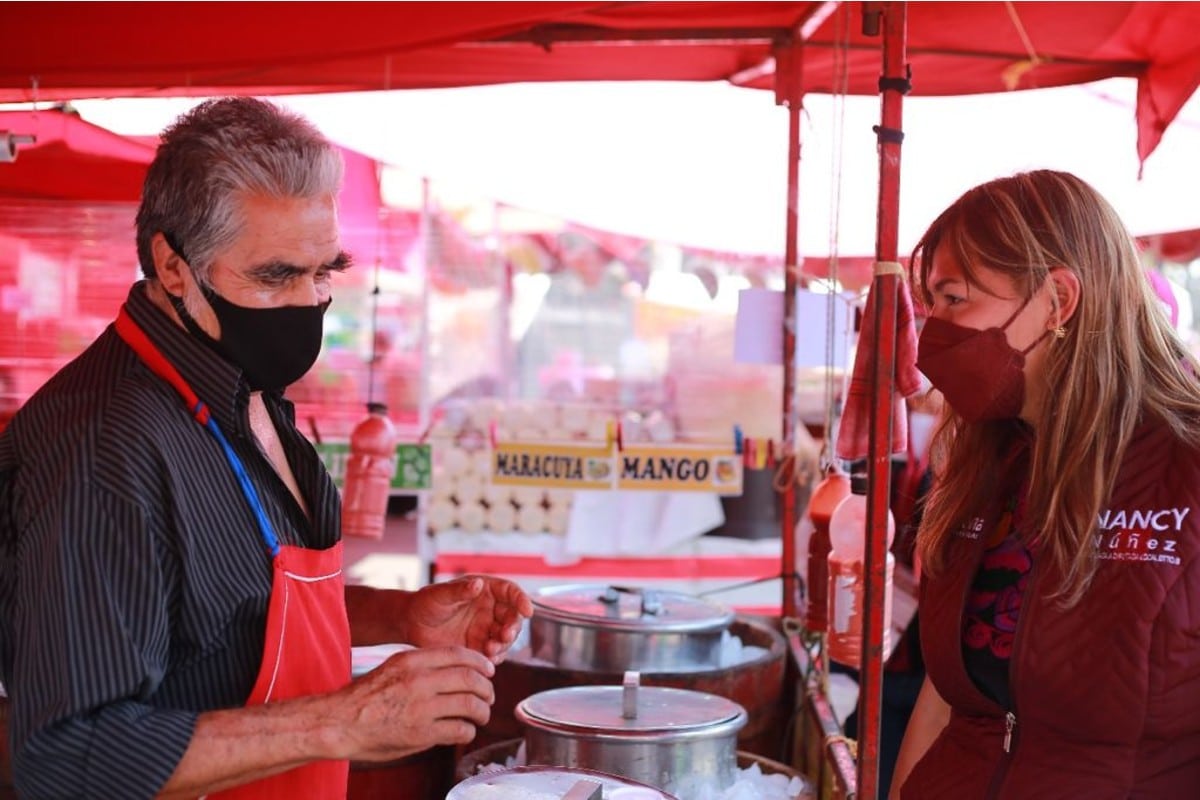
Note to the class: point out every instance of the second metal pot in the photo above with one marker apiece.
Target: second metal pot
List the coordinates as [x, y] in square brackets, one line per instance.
[655, 734]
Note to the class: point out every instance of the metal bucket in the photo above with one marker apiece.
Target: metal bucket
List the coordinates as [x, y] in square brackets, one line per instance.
[653, 734]
[615, 628]
[757, 685]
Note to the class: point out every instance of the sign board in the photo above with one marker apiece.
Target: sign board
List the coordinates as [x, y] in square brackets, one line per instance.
[680, 468]
[413, 465]
[661, 468]
[566, 466]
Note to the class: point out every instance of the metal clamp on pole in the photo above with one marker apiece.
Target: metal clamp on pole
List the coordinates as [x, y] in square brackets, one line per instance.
[9, 142]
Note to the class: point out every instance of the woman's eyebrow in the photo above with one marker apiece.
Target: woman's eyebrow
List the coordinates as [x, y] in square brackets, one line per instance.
[944, 282]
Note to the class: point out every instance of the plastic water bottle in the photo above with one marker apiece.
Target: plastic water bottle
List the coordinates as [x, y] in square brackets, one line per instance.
[826, 496]
[848, 539]
[369, 471]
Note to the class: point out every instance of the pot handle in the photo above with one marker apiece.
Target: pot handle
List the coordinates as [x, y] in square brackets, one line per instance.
[651, 604]
[629, 692]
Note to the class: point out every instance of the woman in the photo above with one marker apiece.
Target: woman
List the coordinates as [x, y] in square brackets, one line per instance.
[1060, 605]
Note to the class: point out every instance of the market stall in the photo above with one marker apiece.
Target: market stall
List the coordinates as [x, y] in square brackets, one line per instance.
[951, 48]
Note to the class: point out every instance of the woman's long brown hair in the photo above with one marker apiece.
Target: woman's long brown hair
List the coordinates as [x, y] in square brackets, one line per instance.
[1119, 363]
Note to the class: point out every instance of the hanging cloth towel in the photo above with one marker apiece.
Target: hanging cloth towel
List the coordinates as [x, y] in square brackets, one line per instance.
[854, 430]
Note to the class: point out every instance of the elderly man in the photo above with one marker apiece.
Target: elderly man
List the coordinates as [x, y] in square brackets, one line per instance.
[173, 620]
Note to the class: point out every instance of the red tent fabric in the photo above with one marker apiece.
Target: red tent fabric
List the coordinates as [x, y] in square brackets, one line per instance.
[74, 160]
[68, 50]
[1177, 246]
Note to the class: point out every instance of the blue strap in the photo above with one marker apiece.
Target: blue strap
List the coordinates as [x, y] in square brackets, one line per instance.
[264, 524]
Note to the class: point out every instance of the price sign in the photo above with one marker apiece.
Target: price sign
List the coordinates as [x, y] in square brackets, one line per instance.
[566, 466]
[680, 468]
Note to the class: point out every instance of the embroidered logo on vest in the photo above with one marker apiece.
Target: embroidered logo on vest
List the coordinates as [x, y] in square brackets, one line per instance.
[1140, 535]
[971, 530]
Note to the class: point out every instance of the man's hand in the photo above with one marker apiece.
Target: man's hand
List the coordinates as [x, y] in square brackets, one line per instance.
[412, 701]
[415, 700]
[479, 612]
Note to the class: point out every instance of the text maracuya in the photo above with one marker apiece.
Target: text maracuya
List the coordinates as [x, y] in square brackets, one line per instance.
[527, 465]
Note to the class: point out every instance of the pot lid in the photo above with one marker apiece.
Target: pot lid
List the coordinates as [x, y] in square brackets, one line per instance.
[630, 608]
[662, 712]
[551, 783]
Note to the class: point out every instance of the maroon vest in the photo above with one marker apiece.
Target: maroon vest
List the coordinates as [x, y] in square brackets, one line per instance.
[1106, 694]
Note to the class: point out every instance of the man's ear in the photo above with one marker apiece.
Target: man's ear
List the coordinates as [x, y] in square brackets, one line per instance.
[169, 266]
[1065, 290]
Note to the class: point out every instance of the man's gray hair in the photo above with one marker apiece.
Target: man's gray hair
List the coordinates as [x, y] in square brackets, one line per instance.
[217, 153]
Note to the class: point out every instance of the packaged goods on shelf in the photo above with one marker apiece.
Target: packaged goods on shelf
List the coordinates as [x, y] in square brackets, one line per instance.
[557, 519]
[472, 517]
[463, 496]
[497, 494]
[468, 488]
[531, 519]
[501, 517]
[441, 515]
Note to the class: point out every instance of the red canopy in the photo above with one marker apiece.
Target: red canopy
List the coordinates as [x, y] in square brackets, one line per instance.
[74, 160]
[1178, 246]
[71, 50]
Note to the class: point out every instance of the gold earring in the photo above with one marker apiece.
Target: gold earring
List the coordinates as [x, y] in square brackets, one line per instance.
[1060, 332]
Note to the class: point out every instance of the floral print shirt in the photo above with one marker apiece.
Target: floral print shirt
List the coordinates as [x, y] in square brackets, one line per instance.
[993, 605]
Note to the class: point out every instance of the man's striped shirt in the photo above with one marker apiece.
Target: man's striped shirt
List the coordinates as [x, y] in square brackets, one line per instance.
[133, 577]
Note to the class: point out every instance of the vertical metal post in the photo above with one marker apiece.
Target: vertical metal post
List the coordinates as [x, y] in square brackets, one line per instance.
[502, 269]
[788, 91]
[885, 288]
[425, 554]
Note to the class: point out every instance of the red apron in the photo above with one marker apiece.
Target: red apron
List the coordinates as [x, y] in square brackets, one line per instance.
[307, 652]
[307, 645]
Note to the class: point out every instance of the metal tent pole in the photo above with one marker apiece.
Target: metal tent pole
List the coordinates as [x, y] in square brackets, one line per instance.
[788, 54]
[885, 288]
[788, 90]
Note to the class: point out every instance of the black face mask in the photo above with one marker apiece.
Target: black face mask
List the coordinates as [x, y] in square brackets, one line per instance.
[273, 346]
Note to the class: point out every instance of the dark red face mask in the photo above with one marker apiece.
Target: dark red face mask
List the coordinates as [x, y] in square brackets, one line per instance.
[979, 373]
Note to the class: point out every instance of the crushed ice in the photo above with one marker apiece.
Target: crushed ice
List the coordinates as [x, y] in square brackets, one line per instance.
[750, 784]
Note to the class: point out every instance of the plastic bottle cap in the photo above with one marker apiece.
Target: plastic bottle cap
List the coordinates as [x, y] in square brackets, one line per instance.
[826, 495]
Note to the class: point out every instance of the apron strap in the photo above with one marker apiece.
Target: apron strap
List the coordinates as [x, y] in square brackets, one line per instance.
[153, 358]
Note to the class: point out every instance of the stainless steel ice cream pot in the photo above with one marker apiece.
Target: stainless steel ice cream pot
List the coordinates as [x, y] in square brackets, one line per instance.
[616, 628]
[653, 734]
